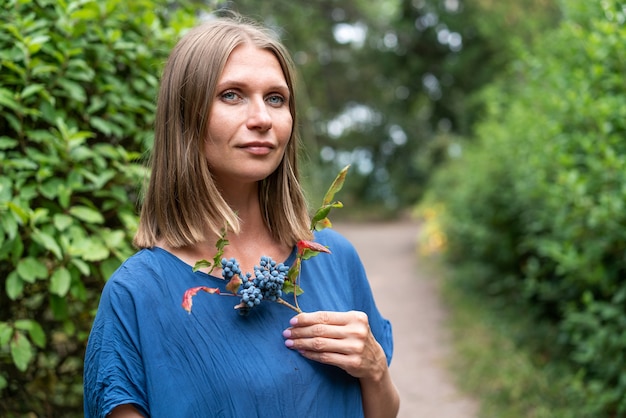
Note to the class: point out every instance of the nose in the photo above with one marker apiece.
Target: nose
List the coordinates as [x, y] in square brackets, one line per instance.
[258, 116]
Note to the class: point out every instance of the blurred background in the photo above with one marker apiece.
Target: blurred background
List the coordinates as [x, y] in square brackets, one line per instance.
[499, 127]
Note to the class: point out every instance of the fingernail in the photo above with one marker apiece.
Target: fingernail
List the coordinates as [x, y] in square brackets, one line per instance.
[289, 343]
[294, 320]
[287, 333]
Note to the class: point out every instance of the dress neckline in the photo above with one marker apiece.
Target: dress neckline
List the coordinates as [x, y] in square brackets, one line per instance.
[288, 262]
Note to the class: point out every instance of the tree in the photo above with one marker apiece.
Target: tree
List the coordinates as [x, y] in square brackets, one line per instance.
[78, 84]
[542, 211]
[390, 86]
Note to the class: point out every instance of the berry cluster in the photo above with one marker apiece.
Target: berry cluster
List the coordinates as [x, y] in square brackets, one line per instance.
[269, 278]
[230, 268]
[267, 282]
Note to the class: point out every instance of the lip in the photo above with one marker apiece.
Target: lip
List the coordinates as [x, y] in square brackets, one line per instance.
[257, 148]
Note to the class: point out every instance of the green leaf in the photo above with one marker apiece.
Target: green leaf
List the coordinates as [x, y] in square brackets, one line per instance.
[60, 282]
[5, 333]
[335, 186]
[34, 44]
[73, 89]
[320, 219]
[35, 331]
[101, 125]
[19, 211]
[78, 289]
[87, 214]
[58, 305]
[88, 14]
[289, 287]
[21, 351]
[7, 143]
[113, 239]
[62, 222]
[81, 266]
[7, 99]
[307, 254]
[48, 242]
[6, 188]
[108, 267]
[9, 224]
[323, 224]
[40, 216]
[42, 136]
[65, 193]
[320, 215]
[94, 249]
[3, 382]
[50, 188]
[31, 89]
[100, 180]
[201, 264]
[16, 249]
[294, 270]
[31, 269]
[44, 70]
[14, 286]
[217, 258]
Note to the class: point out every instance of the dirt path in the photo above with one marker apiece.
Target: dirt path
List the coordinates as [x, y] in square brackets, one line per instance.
[410, 300]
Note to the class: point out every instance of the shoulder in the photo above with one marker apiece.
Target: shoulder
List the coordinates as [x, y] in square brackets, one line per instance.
[340, 247]
[142, 270]
[147, 257]
[333, 240]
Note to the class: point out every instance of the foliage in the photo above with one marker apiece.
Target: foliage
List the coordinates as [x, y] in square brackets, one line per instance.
[543, 204]
[77, 86]
[388, 85]
[494, 360]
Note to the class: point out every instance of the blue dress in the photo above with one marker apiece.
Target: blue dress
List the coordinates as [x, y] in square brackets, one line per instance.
[145, 349]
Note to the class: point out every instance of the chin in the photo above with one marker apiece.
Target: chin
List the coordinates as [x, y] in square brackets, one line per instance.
[256, 175]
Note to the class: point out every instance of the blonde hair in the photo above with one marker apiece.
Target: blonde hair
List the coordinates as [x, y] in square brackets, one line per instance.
[182, 202]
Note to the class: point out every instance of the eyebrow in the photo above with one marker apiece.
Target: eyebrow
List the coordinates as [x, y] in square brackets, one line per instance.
[238, 84]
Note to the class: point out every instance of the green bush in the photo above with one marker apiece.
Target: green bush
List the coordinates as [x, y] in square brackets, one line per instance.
[541, 196]
[78, 83]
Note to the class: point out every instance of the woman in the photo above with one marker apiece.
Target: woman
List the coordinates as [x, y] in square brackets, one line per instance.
[225, 154]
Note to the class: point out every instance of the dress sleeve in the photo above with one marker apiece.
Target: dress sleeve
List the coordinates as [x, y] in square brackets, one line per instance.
[113, 372]
[348, 262]
[364, 299]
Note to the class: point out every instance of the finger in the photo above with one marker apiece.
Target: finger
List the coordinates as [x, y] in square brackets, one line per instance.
[325, 345]
[333, 359]
[327, 317]
[316, 330]
[342, 345]
[353, 364]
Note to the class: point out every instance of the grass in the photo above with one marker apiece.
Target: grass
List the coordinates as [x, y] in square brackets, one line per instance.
[495, 360]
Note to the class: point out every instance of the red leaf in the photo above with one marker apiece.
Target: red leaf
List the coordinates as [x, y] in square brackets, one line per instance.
[190, 293]
[311, 245]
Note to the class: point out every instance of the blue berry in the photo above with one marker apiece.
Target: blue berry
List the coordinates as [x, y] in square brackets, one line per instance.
[230, 267]
[266, 282]
[269, 277]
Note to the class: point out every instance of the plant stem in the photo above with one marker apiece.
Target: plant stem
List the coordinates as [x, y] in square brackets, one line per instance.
[289, 305]
[295, 297]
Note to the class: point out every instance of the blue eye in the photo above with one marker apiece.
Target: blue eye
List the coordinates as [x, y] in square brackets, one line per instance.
[276, 99]
[229, 96]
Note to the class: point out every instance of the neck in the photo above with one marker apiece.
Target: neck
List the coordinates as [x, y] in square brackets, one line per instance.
[253, 240]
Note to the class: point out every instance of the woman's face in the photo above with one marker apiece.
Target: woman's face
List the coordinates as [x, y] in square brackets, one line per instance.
[250, 123]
